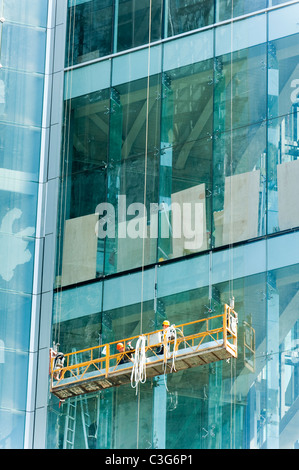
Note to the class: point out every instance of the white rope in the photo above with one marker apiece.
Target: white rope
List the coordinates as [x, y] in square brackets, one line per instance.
[169, 334]
[138, 374]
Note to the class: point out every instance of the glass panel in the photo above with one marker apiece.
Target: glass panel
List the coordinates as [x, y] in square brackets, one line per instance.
[68, 334]
[23, 48]
[18, 203]
[283, 21]
[29, 12]
[16, 238]
[88, 79]
[283, 134]
[13, 379]
[136, 65]
[241, 34]
[240, 88]
[128, 294]
[282, 347]
[231, 401]
[226, 9]
[282, 250]
[20, 150]
[77, 302]
[16, 271]
[12, 429]
[133, 23]
[272, 3]
[86, 134]
[89, 30]
[185, 160]
[206, 392]
[15, 313]
[187, 15]
[21, 97]
[239, 178]
[176, 53]
[283, 82]
[134, 143]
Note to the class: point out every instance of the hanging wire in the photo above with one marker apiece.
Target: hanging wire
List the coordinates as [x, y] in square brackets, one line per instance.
[144, 192]
[231, 261]
[65, 164]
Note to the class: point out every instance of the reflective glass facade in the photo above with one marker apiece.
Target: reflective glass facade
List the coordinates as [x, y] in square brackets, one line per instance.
[170, 155]
[22, 74]
[173, 102]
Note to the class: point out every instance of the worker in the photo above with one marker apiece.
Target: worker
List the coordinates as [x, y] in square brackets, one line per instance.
[127, 355]
[165, 324]
[58, 364]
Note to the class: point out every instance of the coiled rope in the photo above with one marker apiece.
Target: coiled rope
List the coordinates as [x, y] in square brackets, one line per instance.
[138, 374]
[169, 334]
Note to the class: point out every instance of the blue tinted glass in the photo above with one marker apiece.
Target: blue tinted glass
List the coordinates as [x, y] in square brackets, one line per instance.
[31, 12]
[18, 201]
[136, 24]
[17, 260]
[23, 48]
[15, 311]
[21, 97]
[272, 3]
[226, 9]
[13, 378]
[12, 429]
[185, 15]
[283, 21]
[90, 30]
[20, 150]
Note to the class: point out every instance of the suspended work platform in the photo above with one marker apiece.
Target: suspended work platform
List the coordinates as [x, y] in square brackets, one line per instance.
[194, 344]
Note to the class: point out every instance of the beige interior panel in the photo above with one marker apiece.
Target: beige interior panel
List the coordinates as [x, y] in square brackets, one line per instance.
[195, 194]
[133, 252]
[79, 250]
[241, 207]
[218, 227]
[288, 194]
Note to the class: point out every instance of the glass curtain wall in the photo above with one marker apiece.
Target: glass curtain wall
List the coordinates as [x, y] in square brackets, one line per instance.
[226, 9]
[235, 404]
[97, 28]
[22, 58]
[179, 123]
[282, 132]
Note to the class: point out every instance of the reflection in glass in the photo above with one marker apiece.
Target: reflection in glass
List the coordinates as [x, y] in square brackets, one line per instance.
[16, 271]
[13, 376]
[283, 88]
[13, 429]
[283, 133]
[23, 48]
[133, 28]
[29, 12]
[15, 311]
[21, 97]
[133, 172]
[89, 30]
[86, 135]
[185, 161]
[272, 3]
[239, 192]
[20, 149]
[187, 15]
[240, 88]
[226, 9]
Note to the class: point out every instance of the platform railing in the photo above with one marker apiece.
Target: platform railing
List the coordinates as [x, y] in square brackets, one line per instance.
[104, 359]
